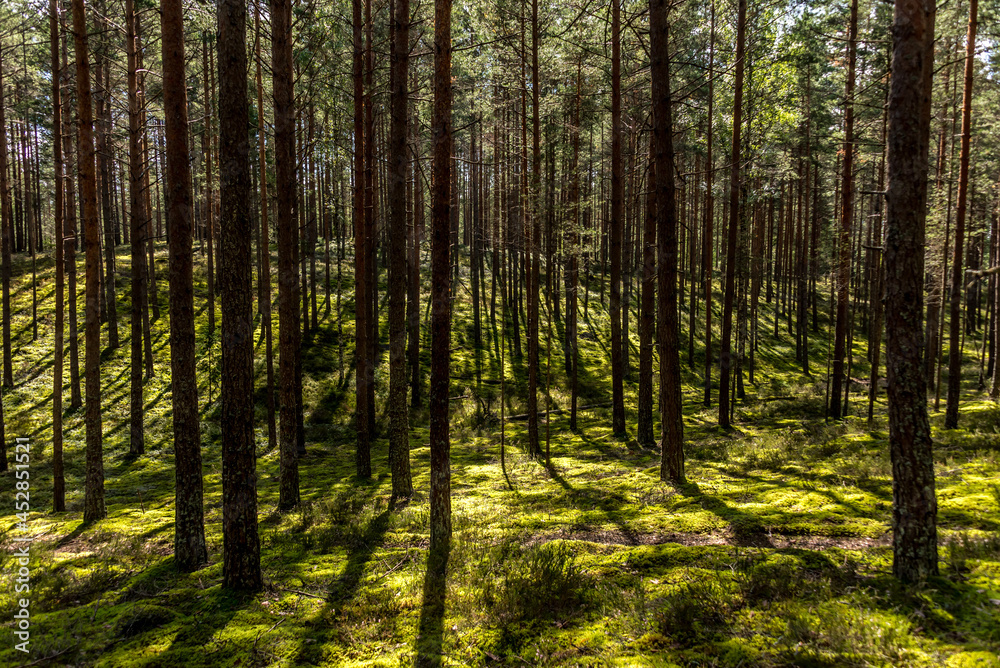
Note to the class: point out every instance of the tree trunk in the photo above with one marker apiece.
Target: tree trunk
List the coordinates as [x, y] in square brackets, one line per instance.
[726, 352]
[189, 524]
[671, 423]
[288, 281]
[440, 494]
[361, 358]
[58, 476]
[93, 504]
[138, 226]
[647, 319]
[6, 239]
[266, 299]
[615, 233]
[955, 296]
[399, 429]
[241, 545]
[914, 513]
[707, 240]
[846, 217]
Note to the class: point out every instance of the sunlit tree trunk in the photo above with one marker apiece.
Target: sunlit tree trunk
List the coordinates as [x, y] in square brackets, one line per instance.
[914, 515]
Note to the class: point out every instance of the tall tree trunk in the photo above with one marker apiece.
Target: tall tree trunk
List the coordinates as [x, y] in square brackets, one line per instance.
[288, 281]
[914, 515]
[206, 150]
[726, 351]
[534, 205]
[572, 308]
[707, 240]
[266, 299]
[69, 208]
[361, 330]
[399, 428]
[102, 75]
[241, 545]
[6, 238]
[617, 215]
[955, 296]
[647, 319]
[93, 503]
[846, 217]
[440, 444]
[189, 525]
[671, 423]
[137, 436]
[58, 477]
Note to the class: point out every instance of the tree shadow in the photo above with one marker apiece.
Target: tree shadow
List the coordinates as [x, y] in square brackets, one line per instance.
[428, 649]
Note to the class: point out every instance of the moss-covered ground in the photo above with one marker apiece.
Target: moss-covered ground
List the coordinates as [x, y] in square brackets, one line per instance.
[776, 552]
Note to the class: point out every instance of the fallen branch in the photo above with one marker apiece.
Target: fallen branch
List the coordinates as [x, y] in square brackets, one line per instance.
[303, 593]
[979, 274]
[45, 658]
[525, 416]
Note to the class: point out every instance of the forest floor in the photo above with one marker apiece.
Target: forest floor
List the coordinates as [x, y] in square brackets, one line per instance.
[775, 553]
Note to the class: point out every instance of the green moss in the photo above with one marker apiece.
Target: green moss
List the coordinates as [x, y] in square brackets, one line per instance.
[774, 553]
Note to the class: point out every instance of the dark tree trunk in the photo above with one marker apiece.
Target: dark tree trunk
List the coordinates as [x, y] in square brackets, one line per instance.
[726, 351]
[265, 299]
[647, 319]
[846, 218]
[206, 150]
[137, 437]
[955, 296]
[361, 331]
[617, 214]
[69, 209]
[6, 239]
[671, 423]
[914, 515]
[288, 280]
[440, 444]
[399, 429]
[534, 206]
[709, 213]
[189, 530]
[58, 477]
[241, 545]
[93, 504]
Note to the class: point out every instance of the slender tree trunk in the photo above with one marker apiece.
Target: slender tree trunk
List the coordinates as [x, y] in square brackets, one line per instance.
[671, 423]
[58, 477]
[137, 443]
[647, 320]
[206, 150]
[846, 218]
[288, 282]
[440, 475]
[266, 299]
[914, 516]
[361, 330]
[726, 352]
[189, 525]
[955, 296]
[241, 545]
[399, 429]
[69, 209]
[617, 215]
[102, 75]
[6, 238]
[93, 504]
[709, 213]
[534, 206]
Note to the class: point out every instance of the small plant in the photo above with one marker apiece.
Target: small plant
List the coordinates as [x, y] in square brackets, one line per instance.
[537, 582]
[695, 608]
